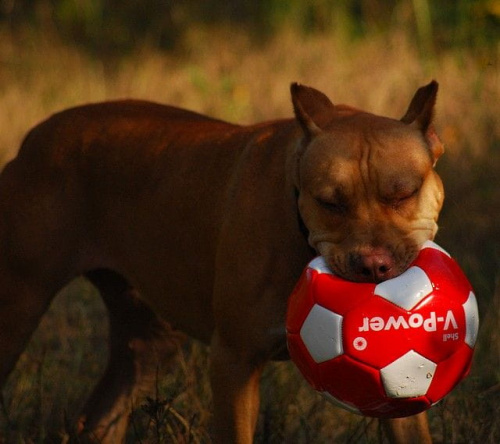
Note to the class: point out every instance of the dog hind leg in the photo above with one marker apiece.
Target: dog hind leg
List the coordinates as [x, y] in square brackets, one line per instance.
[22, 304]
[139, 342]
[37, 256]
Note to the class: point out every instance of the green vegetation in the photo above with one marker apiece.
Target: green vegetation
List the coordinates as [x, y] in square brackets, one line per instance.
[105, 26]
[235, 60]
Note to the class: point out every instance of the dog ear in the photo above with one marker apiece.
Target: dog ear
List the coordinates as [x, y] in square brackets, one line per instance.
[312, 108]
[421, 110]
[420, 114]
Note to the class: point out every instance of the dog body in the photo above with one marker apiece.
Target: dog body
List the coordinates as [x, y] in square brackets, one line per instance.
[180, 218]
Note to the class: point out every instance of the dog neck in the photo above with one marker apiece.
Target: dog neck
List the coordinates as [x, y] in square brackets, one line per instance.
[302, 226]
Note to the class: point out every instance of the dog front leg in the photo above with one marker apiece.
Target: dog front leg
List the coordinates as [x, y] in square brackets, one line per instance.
[234, 376]
[414, 429]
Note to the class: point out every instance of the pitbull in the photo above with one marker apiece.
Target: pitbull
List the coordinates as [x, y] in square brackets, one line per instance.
[190, 224]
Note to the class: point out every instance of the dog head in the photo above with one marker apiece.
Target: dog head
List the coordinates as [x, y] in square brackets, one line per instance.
[368, 192]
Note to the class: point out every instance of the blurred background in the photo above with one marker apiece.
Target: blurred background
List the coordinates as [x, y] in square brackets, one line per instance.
[235, 60]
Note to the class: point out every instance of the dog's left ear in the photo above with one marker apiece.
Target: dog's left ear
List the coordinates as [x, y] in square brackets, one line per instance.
[420, 115]
[312, 108]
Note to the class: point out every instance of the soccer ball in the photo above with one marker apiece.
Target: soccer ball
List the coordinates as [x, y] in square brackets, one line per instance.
[391, 349]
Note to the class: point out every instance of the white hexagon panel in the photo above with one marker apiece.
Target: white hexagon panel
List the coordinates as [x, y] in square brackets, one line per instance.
[321, 333]
[433, 245]
[319, 264]
[406, 290]
[408, 376]
[471, 320]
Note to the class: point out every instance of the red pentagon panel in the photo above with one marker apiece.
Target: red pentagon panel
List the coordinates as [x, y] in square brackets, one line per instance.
[352, 382]
[445, 274]
[449, 373]
[339, 295]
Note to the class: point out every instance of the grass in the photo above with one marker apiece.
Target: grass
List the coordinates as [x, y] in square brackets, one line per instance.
[222, 73]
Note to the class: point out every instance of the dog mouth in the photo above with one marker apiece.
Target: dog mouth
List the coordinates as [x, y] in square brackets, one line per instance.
[370, 265]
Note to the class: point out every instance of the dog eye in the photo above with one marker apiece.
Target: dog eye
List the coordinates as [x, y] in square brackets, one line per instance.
[410, 194]
[400, 199]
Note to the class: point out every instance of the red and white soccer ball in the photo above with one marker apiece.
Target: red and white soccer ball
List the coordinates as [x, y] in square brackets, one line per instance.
[386, 350]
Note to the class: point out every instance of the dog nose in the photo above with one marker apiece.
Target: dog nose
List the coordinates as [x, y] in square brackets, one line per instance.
[375, 267]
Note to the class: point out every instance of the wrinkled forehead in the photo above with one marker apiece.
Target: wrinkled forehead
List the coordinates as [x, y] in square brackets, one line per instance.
[390, 156]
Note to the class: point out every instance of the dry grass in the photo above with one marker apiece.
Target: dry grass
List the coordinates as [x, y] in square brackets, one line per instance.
[223, 74]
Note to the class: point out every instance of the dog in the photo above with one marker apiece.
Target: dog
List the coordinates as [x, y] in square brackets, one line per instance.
[190, 224]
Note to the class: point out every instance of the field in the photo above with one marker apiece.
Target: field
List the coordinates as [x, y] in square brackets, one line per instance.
[225, 74]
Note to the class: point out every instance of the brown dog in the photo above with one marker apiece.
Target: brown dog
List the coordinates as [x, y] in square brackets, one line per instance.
[181, 218]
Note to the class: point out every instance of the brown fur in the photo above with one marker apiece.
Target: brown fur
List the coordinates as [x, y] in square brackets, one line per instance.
[180, 218]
